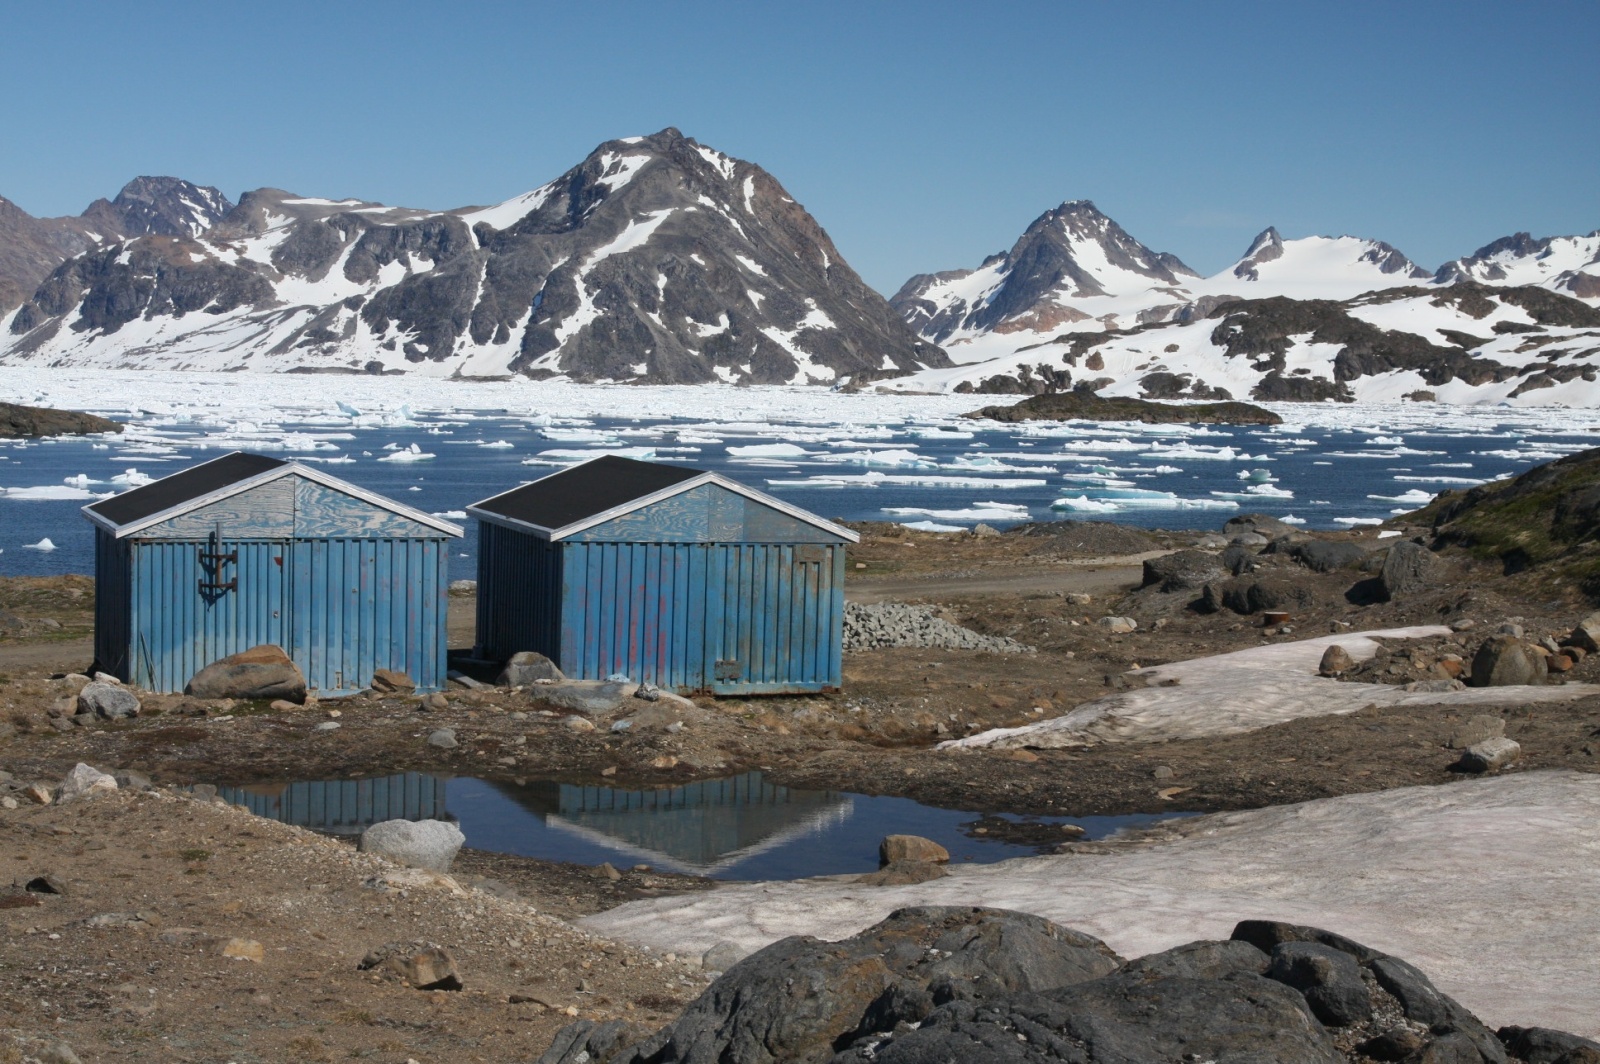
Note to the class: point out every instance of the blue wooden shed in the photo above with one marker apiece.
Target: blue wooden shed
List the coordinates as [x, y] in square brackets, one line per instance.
[245, 550]
[667, 574]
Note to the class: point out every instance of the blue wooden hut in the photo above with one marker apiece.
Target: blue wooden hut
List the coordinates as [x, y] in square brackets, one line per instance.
[245, 550]
[667, 574]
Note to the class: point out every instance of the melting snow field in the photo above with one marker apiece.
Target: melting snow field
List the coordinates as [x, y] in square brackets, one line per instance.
[912, 459]
[1485, 885]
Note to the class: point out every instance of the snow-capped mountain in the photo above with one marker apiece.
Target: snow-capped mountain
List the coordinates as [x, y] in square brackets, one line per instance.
[1072, 262]
[1569, 264]
[1078, 299]
[656, 259]
[31, 247]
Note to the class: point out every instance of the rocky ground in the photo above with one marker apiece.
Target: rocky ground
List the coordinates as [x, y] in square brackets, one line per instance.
[1056, 615]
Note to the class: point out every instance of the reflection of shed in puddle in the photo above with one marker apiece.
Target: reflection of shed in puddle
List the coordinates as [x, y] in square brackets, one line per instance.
[345, 807]
[701, 828]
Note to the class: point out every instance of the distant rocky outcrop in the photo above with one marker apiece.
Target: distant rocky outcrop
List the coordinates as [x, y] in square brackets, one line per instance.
[1084, 405]
[29, 421]
[985, 986]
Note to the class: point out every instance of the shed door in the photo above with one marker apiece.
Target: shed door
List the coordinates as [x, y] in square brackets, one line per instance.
[197, 602]
[772, 617]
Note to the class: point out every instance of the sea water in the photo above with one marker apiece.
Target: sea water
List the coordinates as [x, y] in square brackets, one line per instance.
[438, 446]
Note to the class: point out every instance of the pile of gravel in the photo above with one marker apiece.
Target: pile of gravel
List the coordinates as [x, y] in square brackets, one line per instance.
[894, 624]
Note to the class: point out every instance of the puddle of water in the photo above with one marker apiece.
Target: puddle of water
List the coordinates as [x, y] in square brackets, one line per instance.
[742, 827]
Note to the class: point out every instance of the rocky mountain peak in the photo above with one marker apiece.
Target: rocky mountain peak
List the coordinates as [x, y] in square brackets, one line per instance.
[1264, 248]
[159, 206]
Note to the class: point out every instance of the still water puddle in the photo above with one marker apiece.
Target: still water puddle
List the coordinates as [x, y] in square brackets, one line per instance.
[742, 827]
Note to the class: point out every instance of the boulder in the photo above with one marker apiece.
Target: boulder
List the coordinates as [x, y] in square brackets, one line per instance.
[1329, 979]
[390, 682]
[430, 844]
[262, 672]
[1541, 1045]
[111, 701]
[1119, 625]
[903, 874]
[526, 666]
[1336, 661]
[86, 782]
[586, 696]
[1249, 539]
[1325, 556]
[424, 965]
[1202, 960]
[1491, 755]
[1267, 527]
[443, 739]
[910, 848]
[1184, 570]
[1586, 636]
[1408, 568]
[1258, 594]
[1238, 559]
[1504, 661]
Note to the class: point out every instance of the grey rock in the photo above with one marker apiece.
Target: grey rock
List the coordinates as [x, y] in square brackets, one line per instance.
[586, 696]
[1238, 559]
[392, 682]
[1505, 660]
[107, 701]
[1118, 625]
[130, 780]
[86, 782]
[1266, 935]
[1326, 556]
[1202, 960]
[1120, 1019]
[721, 957]
[1184, 570]
[57, 1053]
[463, 587]
[649, 692]
[1258, 594]
[1264, 525]
[1330, 980]
[1408, 568]
[1422, 1002]
[981, 529]
[578, 724]
[1512, 629]
[526, 666]
[443, 738]
[1336, 661]
[588, 1042]
[1491, 755]
[430, 844]
[263, 672]
[1587, 633]
[1249, 539]
[1542, 1045]
[327, 726]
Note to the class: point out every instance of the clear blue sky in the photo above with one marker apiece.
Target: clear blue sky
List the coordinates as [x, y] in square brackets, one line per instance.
[921, 135]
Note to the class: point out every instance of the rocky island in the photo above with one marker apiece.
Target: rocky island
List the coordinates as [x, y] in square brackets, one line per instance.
[22, 422]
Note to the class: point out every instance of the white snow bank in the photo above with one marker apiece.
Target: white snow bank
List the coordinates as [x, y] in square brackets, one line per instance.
[1248, 689]
[1485, 885]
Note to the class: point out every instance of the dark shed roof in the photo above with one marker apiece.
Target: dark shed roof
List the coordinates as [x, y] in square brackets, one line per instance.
[179, 488]
[583, 491]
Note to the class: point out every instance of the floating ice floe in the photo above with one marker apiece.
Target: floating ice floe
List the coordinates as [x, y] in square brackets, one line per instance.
[978, 511]
[43, 544]
[496, 445]
[931, 526]
[452, 515]
[561, 456]
[1353, 521]
[412, 453]
[1466, 482]
[874, 479]
[49, 493]
[769, 450]
[1291, 519]
[1416, 497]
[132, 478]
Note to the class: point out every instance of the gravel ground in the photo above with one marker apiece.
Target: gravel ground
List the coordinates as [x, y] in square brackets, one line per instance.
[894, 624]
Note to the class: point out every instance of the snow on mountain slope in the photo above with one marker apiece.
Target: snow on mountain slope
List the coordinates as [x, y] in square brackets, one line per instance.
[1465, 344]
[1567, 264]
[656, 259]
[1313, 267]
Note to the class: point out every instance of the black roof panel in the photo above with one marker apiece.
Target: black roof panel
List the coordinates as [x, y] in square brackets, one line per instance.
[582, 491]
[179, 488]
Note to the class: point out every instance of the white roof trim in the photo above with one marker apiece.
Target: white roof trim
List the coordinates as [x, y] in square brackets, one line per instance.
[555, 534]
[288, 469]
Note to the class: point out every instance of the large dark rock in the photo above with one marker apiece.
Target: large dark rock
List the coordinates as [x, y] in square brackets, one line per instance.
[1541, 1045]
[1505, 660]
[263, 672]
[1184, 570]
[1261, 524]
[1409, 567]
[526, 666]
[1257, 594]
[1324, 556]
[1120, 1019]
[1329, 979]
[1202, 960]
[30, 421]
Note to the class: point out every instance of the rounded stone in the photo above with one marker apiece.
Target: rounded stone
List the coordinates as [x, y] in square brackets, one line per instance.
[430, 844]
